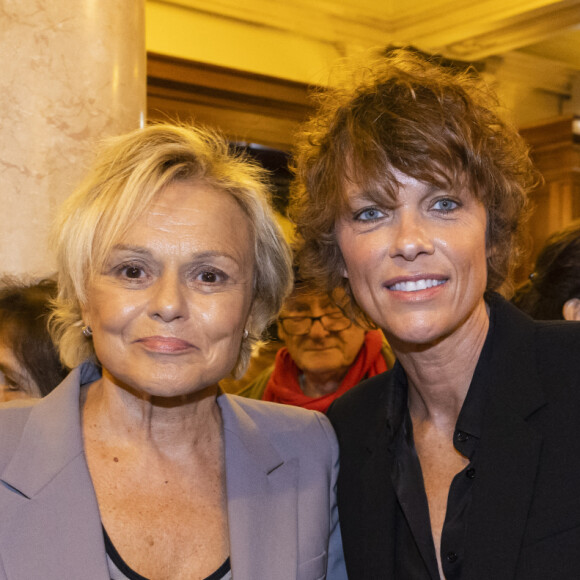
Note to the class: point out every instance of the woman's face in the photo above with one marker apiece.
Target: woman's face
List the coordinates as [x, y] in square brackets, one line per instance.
[15, 380]
[169, 309]
[417, 266]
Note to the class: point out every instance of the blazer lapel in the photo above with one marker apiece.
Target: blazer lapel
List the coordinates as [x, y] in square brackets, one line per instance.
[510, 451]
[49, 509]
[366, 498]
[262, 500]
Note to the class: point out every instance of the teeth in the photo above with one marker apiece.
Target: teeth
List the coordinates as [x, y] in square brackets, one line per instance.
[416, 285]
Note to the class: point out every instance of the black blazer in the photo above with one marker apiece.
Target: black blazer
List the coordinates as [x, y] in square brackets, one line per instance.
[524, 521]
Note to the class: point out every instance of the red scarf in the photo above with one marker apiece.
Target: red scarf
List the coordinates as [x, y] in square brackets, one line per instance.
[283, 385]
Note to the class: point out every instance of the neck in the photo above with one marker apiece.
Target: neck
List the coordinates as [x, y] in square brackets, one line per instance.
[320, 384]
[439, 374]
[171, 426]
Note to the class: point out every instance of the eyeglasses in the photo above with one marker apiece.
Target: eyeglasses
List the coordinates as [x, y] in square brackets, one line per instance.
[299, 325]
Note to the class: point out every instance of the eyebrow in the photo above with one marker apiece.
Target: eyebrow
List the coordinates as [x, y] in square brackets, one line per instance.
[145, 252]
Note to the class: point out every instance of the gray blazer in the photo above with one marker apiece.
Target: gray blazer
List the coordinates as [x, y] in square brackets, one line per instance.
[281, 470]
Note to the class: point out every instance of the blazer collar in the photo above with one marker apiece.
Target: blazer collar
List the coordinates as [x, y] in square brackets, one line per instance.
[52, 435]
[239, 425]
[262, 492]
[48, 502]
[513, 374]
[510, 448]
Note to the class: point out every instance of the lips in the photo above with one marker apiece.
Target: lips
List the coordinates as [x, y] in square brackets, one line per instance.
[165, 344]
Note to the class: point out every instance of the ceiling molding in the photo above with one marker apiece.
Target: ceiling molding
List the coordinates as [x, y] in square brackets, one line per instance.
[470, 30]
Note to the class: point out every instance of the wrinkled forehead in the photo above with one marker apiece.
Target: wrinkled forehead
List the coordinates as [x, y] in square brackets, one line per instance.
[308, 300]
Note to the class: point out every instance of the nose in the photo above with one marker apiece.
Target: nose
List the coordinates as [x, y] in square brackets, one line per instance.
[168, 301]
[317, 330]
[411, 237]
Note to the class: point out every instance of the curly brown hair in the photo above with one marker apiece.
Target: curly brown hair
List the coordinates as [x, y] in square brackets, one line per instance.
[404, 111]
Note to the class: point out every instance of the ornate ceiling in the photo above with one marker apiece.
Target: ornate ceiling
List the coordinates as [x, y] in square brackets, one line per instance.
[464, 29]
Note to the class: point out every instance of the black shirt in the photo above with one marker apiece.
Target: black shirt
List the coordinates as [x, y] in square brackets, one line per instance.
[414, 542]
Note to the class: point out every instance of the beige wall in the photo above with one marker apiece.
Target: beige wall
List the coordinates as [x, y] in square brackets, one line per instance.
[73, 72]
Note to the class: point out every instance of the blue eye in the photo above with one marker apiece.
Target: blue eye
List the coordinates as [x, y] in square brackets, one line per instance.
[445, 205]
[369, 214]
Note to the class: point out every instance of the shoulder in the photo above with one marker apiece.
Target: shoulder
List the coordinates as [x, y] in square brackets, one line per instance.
[15, 413]
[13, 418]
[557, 346]
[285, 426]
[276, 415]
[560, 336]
[553, 340]
[366, 395]
[352, 414]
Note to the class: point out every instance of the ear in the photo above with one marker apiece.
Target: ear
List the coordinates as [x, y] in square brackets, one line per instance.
[85, 318]
[571, 309]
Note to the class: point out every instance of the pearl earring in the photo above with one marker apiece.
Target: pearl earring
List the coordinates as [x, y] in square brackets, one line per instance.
[87, 331]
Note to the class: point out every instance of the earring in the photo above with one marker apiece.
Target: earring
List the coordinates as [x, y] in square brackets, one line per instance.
[87, 331]
[246, 333]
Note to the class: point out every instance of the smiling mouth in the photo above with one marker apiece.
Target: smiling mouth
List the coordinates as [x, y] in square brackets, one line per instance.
[416, 285]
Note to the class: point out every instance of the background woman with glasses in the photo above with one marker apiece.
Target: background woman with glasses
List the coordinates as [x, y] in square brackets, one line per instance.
[324, 354]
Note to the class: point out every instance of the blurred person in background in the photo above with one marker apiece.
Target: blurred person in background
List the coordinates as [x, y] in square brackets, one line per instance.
[324, 353]
[29, 361]
[552, 291]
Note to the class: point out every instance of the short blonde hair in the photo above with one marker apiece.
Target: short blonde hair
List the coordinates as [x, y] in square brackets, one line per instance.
[128, 173]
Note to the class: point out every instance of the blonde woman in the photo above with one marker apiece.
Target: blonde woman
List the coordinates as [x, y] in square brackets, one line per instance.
[170, 265]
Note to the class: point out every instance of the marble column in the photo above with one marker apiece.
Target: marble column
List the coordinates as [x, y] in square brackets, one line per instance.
[73, 72]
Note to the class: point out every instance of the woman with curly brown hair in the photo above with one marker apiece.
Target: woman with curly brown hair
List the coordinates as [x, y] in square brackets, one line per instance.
[460, 462]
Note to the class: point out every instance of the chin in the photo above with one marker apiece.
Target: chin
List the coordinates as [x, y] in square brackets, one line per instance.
[421, 337]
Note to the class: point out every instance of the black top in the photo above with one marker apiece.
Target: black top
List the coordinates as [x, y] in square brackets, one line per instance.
[415, 547]
[521, 516]
[130, 574]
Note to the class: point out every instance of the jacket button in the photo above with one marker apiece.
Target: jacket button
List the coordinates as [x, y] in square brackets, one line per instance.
[461, 436]
[470, 473]
[451, 557]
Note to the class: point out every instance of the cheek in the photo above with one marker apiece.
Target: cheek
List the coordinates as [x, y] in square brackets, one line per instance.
[112, 315]
[293, 345]
[352, 345]
[362, 258]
